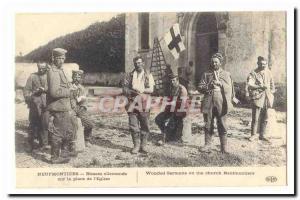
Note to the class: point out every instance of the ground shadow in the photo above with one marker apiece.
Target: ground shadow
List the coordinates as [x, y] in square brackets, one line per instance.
[200, 159]
[22, 125]
[121, 129]
[108, 144]
[22, 146]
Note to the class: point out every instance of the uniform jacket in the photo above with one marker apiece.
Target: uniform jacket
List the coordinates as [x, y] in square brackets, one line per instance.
[258, 96]
[58, 98]
[227, 91]
[75, 94]
[32, 96]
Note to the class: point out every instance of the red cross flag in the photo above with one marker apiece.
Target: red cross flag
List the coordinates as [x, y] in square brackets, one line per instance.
[174, 41]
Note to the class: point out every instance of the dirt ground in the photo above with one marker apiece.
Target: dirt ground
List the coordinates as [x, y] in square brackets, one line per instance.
[112, 143]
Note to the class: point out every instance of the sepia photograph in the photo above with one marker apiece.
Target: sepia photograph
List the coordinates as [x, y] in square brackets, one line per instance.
[129, 98]
[182, 89]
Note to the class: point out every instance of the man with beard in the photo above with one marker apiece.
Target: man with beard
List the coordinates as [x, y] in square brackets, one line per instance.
[63, 123]
[217, 86]
[35, 98]
[138, 84]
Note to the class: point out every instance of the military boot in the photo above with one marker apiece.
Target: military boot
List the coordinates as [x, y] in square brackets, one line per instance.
[208, 140]
[254, 135]
[31, 135]
[42, 141]
[162, 141]
[59, 160]
[72, 149]
[263, 132]
[136, 142]
[30, 143]
[223, 142]
[55, 155]
[87, 136]
[144, 139]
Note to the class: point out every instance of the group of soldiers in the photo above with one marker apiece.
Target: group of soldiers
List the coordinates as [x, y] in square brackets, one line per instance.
[56, 104]
[219, 96]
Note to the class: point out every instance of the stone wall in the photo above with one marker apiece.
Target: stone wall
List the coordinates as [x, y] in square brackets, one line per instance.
[103, 79]
[159, 24]
[243, 36]
[165, 22]
[23, 70]
[131, 39]
[251, 34]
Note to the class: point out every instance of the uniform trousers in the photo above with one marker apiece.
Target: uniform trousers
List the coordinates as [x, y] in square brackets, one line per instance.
[63, 129]
[139, 122]
[259, 119]
[170, 124]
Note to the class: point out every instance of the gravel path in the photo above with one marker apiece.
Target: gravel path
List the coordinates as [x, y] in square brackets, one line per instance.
[112, 144]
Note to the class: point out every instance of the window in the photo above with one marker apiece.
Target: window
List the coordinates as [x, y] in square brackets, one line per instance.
[144, 31]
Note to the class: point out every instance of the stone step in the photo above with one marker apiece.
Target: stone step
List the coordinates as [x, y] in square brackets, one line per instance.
[103, 91]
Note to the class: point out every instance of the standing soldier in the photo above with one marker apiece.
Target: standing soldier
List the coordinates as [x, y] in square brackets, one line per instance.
[260, 90]
[78, 104]
[35, 97]
[63, 125]
[138, 83]
[217, 86]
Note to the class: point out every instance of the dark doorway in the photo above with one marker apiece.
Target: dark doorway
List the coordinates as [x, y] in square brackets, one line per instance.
[144, 30]
[206, 43]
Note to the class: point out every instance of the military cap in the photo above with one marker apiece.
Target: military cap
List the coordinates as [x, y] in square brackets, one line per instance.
[42, 65]
[75, 72]
[261, 58]
[172, 75]
[58, 52]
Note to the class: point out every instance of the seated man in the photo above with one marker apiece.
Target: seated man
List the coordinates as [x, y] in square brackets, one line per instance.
[78, 104]
[170, 123]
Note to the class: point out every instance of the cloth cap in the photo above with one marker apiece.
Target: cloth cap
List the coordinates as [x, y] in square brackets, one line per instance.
[58, 52]
[219, 56]
[172, 75]
[42, 65]
[75, 72]
[261, 58]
